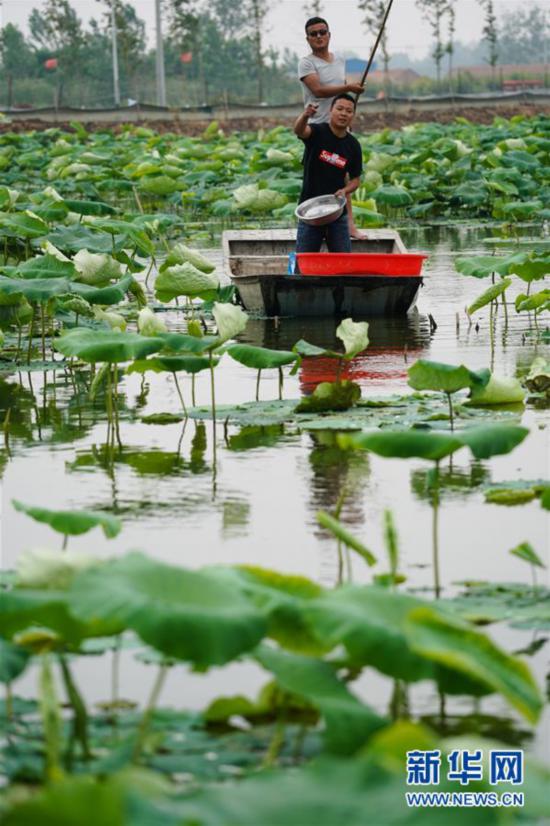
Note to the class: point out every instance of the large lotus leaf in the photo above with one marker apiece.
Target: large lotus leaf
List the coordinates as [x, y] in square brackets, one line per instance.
[72, 523]
[260, 358]
[22, 224]
[138, 238]
[537, 379]
[104, 345]
[404, 444]
[499, 390]
[184, 279]
[281, 598]
[304, 348]
[230, 320]
[22, 608]
[180, 253]
[13, 661]
[489, 295]
[349, 723]
[481, 266]
[182, 342]
[112, 294]
[83, 207]
[159, 184]
[84, 800]
[172, 364]
[492, 439]
[35, 289]
[390, 195]
[534, 268]
[79, 237]
[46, 266]
[434, 375]
[370, 623]
[190, 615]
[536, 301]
[459, 646]
[96, 269]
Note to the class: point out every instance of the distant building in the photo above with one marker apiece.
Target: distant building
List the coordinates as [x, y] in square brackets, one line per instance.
[510, 75]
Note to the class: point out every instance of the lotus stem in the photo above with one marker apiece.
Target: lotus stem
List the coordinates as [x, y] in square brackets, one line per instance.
[178, 388]
[51, 720]
[193, 400]
[151, 265]
[138, 202]
[435, 532]
[451, 417]
[258, 377]
[115, 404]
[277, 740]
[148, 713]
[80, 718]
[109, 406]
[492, 334]
[9, 703]
[65, 542]
[43, 332]
[115, 672]
[31, 332]
[19, 336]
[281, 380]
[6, 429]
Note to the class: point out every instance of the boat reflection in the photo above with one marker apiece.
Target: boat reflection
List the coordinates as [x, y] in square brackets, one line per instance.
[394, 344]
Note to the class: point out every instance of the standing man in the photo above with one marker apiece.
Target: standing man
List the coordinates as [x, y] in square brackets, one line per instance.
[323, 76]
[333, 163]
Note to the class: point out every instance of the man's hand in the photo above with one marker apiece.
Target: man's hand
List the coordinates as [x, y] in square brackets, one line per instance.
[341, 193]
[355, 88]
[311, 109]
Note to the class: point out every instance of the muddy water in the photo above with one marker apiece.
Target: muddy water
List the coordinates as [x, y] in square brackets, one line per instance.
[257, 503]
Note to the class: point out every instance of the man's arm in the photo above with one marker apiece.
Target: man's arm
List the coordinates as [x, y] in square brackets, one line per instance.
[301, 126]
[350, 187]
[319, 91]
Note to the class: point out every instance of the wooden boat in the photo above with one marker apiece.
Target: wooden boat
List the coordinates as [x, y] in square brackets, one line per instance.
[257, 262]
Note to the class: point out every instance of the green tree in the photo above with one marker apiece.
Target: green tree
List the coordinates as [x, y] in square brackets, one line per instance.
[58, 30]
[257, 11]
[433, 12]
[130, 40]
[490, 36]
[524, 34]
[450, 47]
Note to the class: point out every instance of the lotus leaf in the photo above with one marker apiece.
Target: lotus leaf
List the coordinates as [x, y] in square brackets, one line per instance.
[74, 522]
[43, 568]
[230, 320]
[180, 254]
[458, 646]
[331, 395]
[150, 323]
[101, 345]
[190, 615]
[499, 390]
[113, 320]
[537, 379]
[341, 533]
[184, 279]
[526, 552]
[96, 269]
[13, 661]
[46, 266]
[489, 295]
[354, 335]
[260, 358]
[349, 723]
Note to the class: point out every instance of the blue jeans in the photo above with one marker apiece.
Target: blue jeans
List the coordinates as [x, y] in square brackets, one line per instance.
[309, 239]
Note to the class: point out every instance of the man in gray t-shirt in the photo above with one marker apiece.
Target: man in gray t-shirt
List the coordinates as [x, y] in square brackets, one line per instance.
[323, 76]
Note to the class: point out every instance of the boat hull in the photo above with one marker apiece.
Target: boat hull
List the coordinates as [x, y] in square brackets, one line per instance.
[340, 296]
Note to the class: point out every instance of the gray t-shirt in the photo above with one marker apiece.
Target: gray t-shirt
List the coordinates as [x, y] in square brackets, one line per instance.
[330, 74]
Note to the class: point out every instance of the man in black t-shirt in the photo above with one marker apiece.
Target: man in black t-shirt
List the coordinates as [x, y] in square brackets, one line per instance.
[331, 154]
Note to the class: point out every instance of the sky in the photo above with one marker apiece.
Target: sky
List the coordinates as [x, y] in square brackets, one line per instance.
[407, 31]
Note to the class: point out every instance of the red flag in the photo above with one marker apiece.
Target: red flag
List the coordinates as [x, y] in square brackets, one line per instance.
[50, 63]
[186, 57]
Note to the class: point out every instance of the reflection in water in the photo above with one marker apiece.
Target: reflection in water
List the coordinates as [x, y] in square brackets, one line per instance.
[394, 343]
[453, 482]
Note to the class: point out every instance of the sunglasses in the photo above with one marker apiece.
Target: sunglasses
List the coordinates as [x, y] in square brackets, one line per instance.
[318, 33]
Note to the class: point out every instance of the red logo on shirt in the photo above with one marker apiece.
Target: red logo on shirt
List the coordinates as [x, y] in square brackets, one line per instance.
[333, 158]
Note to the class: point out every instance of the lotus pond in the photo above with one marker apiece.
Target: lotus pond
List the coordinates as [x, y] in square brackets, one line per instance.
[249, 564]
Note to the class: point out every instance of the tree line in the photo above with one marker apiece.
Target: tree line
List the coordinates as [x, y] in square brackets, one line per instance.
[214, 51]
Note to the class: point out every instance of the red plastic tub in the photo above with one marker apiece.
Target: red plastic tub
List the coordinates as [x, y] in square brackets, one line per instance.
[360, 263]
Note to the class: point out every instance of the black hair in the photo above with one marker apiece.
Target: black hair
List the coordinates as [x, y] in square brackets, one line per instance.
[313, 22]
[344, 96]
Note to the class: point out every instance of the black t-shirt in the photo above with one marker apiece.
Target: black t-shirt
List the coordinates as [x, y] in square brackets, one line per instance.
[327, 158]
